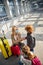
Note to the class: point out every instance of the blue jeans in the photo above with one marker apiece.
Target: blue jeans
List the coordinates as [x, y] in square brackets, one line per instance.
[32, 50]
[20, 63]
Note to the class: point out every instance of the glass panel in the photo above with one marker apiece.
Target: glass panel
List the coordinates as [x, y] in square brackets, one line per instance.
[12, 7]
[1, 1]
[2, 9]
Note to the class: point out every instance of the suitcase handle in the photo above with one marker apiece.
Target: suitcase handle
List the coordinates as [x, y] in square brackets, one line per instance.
[3, 34]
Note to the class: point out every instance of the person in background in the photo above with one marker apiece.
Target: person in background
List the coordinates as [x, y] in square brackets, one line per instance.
[30, 38]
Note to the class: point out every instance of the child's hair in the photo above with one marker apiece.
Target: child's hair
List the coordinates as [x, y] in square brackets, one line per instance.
[30, 55]
[26, 49]
[29, 28]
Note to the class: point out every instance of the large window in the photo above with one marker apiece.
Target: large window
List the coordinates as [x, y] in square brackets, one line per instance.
[2, 9]
[12, 7]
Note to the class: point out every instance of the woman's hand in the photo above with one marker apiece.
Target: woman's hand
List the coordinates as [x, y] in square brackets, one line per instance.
[22, 39]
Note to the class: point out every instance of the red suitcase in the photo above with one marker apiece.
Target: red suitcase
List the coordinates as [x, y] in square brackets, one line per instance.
[15, 50]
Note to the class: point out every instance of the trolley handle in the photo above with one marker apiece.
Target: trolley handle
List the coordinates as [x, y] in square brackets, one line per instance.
[3, 34]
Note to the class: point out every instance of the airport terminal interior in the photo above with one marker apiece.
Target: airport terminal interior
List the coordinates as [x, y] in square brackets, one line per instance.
[21, 13]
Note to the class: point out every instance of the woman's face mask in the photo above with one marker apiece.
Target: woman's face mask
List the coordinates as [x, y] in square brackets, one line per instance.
[17, 31]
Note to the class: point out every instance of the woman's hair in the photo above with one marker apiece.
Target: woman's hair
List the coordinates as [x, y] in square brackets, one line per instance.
[29, 28]
[13, 28]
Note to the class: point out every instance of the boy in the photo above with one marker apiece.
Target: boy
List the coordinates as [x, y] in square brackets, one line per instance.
[30, 39]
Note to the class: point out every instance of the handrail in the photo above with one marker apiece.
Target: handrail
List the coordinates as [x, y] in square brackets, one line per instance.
[10, 20]
[4, 19]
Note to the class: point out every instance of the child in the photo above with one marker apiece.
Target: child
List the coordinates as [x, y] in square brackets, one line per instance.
[23, 58]
[33, 58]
[30, 39]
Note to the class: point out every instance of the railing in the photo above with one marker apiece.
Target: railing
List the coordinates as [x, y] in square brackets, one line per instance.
[4, 19]
[7, 22]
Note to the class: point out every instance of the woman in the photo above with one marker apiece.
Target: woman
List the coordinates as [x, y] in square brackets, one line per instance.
[16, 39]
[15, 36]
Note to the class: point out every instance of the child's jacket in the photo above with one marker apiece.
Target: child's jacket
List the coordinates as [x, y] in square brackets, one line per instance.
[30, 41]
